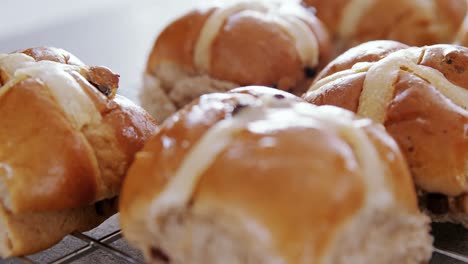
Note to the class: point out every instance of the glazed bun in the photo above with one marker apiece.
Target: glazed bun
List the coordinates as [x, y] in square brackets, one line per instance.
[412, 22]
[421, 97]
[462, 36]
[257, 175]
[231, 44]
[66, 141]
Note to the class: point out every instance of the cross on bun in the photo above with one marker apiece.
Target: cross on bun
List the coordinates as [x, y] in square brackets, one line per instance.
[222, 46]
[257, 175]
[66, 141]
[421, 97]
[416, 23]
[462, 35]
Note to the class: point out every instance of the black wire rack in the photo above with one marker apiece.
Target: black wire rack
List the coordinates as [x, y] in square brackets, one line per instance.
[102, 245]
[92, 245]
[105, 249]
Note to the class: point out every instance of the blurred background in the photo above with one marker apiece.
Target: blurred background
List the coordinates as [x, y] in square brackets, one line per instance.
[115, 33]
[119, 34]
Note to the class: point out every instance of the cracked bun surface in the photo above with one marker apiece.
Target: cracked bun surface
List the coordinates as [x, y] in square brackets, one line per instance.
[257, 175]
[66, 142]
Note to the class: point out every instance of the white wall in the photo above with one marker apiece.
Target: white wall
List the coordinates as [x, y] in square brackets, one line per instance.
[114, 33]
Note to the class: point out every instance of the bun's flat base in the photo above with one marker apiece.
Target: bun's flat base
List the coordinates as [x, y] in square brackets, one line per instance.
[28, 233]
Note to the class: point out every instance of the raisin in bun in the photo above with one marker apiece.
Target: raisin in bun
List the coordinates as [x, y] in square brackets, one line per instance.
[221, 46]
[66, 141]
[421, 97]
[412, 22]
[257, 175]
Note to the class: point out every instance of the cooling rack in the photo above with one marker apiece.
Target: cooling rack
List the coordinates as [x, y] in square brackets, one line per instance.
[100, 246]
[92, 245]
[106, 245]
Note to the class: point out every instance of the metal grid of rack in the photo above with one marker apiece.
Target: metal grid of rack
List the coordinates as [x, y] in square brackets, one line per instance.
[91, 246]
[101, 245]
[106, 245]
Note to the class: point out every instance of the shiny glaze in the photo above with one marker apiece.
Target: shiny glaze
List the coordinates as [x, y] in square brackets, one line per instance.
[291, 17]
[413, 22]
[420, 95]
[50, 166]
[49, 106]
[213, 154]
[378, 86]
[255, 43]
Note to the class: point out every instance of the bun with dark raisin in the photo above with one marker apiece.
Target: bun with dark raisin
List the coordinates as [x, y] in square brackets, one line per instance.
[259, 176]
[66, 141]
[222, 46]
[415, 23]
[420, 95]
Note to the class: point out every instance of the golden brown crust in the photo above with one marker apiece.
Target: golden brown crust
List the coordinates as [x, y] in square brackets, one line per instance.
[248, 178]
[366, 52]
[462, 35]
[249, 49]
[186, 126]
[177, 126]
[453, 11]
[74, 155]
[330, 16]
[430, 131]
[52, 54]
[176, 43]
[229, 180]
[29, 179]
[50, 167]
[415, 23]
[131, 124]
[401, 21]
[254, 59]
[396, 171]
[344, 94]
[451, 61]
[428, 126]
